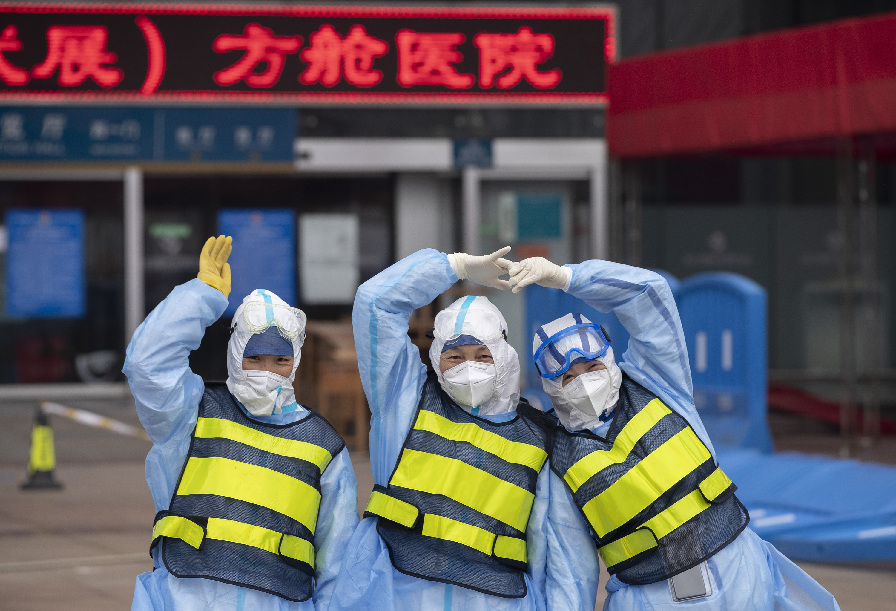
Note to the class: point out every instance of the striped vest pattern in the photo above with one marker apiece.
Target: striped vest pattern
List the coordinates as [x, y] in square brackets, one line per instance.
[459, 499]
[246, 504]
[651, 492]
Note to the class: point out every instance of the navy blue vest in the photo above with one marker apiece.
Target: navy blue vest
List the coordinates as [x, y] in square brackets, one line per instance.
[655, 500]
[214, 531]
[467, 493]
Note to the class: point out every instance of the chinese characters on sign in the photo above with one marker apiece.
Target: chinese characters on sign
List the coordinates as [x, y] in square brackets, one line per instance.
[327, 54]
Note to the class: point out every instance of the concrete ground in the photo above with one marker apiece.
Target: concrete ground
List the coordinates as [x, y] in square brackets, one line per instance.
[79, 548]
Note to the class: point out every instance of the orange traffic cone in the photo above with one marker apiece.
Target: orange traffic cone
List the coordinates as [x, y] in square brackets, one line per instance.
[43, 457]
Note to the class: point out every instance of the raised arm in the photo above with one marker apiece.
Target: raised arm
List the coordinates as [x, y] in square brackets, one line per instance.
[166, 392]
[657, 355]
[391, 370]
[389, 363]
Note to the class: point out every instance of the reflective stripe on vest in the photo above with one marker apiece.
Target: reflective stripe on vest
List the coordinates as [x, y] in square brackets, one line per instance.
[644, 484]
[220, 529]
[657, 527]
[253, 484]
[500, 546]
[465, 484]
[220, 427]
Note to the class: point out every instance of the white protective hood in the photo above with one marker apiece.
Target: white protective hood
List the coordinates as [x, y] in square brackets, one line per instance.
[260, 310]
[478, 317]
[570, 417]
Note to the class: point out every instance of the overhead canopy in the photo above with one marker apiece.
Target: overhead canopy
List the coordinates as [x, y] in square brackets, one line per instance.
[791, 92]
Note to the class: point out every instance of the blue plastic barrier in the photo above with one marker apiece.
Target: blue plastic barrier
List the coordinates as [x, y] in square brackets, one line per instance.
[725, 324]
[817, 508]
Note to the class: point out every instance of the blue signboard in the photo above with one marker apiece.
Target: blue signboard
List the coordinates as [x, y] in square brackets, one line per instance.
[45, 263]
[264, 252]
[475, 153]
[137, 134]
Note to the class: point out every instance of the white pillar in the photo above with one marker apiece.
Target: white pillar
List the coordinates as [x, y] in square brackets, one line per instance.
[417, 218]
[600, 210]
[471, 211]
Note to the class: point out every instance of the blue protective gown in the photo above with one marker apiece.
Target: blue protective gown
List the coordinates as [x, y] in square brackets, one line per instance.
[562, 562]
[749, 573]
[167, 396]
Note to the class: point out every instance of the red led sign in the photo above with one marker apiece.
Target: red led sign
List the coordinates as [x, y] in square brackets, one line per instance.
[305, 54]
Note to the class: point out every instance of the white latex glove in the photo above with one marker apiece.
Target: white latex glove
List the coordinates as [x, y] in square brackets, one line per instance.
[483, 269]
[540, 271]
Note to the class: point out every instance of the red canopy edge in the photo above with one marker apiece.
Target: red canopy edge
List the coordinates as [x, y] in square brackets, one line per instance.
[790, 91]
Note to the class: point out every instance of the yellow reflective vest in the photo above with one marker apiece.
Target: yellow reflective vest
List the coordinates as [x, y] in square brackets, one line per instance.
[655, 500]
[245, 508]
[458, 502]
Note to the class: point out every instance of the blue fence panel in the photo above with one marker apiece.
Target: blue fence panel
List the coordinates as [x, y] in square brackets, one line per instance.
[725, 323]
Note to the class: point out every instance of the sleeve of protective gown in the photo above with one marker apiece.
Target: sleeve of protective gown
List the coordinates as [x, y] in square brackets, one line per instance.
[657, 357]
[338, 517]
[571, 569]
[388, 361]
[561, 553]
[166, 392]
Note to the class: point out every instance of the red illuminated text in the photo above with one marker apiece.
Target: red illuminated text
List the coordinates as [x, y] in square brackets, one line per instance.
[330, 57]
[261, 47]
[9, 42]
[425, 59]
[78, 52]
[505, 59]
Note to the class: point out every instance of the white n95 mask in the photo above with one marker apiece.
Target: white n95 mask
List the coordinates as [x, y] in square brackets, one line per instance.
[471, 383]
[591, 395]
[261, 392]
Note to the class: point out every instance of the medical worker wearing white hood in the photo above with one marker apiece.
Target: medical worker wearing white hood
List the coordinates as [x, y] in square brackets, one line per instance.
[458, 518]
[255, 495]
[637, 461]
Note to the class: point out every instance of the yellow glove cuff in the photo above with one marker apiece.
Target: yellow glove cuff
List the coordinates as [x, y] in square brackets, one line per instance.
[215, 281]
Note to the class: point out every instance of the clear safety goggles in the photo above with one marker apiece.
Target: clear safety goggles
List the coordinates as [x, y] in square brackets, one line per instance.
[557, 353]
[481, 324]
[260, 314]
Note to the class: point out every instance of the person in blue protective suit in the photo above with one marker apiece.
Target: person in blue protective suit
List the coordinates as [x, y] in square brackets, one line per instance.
[255, 494]
[458, 518]
[636, 460]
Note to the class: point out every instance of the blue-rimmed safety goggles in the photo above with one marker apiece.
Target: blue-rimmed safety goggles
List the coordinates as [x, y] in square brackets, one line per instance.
[557, 353]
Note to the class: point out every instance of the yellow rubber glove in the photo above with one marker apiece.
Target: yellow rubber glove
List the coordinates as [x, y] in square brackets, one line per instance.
[214, 269]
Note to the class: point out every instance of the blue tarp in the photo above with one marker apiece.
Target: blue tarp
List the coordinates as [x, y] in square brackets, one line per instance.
[817, 508]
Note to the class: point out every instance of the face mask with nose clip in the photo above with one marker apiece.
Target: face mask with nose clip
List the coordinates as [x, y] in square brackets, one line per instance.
[470, 383]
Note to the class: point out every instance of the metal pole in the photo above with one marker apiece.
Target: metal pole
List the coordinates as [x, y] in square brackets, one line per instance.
[600, 210]
[133, 251]
[871, 292]
[846, 217]
[632, 213]
[471, 210]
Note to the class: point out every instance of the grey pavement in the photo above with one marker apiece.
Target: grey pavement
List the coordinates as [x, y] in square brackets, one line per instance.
[81, 547]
